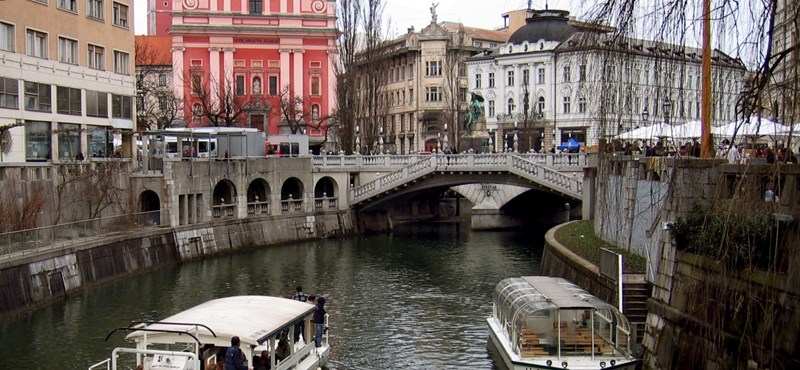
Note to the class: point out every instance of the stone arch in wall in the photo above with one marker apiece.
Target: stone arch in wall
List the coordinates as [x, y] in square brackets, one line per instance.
[326, 187]
[224, 193]
[292, 188]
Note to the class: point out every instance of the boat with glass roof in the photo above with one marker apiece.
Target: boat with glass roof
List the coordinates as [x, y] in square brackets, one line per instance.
[198, 337]
[541, 322]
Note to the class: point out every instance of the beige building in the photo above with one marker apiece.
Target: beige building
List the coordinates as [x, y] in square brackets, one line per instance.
[783, 95]
[66, 78]
[425, 93]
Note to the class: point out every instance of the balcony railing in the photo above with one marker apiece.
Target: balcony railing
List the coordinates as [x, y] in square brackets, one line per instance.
[258, 208]
[291, 206]
[324, 203]
[223, 210]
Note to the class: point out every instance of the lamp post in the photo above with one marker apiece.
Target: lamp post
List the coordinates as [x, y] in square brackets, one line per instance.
[439, 142]
[358, 140]
[380, 141]
[645, 116]
[491, 141]
[445, 136]
[516, 138]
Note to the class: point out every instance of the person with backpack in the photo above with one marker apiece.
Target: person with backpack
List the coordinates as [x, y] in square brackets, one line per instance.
[299, 327]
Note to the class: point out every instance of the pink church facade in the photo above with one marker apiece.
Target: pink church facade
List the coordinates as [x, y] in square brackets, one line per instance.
[257, 48]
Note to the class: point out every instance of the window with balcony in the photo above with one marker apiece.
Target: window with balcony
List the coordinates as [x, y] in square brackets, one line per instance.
[37, 97]
[120, 15]
[6, 37]
[511, 107]
[67, 50]
[96, 58]
[94, 9]
[122, 62]
[36, 44]
[68, 101]
[96, 104]
[9, 93]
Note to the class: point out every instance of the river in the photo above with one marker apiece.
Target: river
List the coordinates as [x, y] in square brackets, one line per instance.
[416, 298]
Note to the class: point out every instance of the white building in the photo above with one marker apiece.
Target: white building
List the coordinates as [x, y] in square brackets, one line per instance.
[66, 78]
[557, 79]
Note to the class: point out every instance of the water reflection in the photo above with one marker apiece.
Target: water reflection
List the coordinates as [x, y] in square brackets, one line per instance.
[416, 298]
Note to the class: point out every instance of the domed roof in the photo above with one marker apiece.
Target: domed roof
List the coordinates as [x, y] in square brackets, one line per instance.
[547, 25]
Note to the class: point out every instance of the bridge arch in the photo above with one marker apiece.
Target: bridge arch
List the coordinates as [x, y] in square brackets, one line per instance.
[258, 196]
[326, 187]
[223, 202]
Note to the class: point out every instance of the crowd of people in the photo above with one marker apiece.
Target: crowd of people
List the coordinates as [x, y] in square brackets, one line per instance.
[733, 153]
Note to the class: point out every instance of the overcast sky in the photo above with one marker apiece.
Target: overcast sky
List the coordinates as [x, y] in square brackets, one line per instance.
[406, 13]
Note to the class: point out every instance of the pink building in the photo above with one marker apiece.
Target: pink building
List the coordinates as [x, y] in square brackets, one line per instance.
[257, 48]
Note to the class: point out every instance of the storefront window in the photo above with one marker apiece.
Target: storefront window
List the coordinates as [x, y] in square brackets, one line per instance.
[100, 142]
[69, 140]
[37, 140]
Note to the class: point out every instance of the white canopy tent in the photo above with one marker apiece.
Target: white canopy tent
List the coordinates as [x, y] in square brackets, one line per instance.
[755, 126]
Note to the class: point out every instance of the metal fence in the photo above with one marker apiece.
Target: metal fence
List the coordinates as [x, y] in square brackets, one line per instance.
[68, 233]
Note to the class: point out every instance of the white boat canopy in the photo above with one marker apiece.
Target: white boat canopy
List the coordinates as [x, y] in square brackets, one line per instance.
[252, 318]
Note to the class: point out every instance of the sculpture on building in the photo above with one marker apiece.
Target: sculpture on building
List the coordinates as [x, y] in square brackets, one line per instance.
[474, 112]
[433, 12]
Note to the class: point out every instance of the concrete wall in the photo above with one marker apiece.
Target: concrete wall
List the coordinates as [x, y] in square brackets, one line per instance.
[38, 278]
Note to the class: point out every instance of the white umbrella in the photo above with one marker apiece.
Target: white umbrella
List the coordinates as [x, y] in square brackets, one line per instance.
[648, 132]
[688, 130]
[755, 126]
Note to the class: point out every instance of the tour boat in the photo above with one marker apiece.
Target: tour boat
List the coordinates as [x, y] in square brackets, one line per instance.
[203, 333]
[541, 322]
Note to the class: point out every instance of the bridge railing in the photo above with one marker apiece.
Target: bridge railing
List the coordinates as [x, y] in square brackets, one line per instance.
[396, 177]
[558, 160]
[560, 180]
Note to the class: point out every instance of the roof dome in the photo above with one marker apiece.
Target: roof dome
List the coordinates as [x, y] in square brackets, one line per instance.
[547, 25]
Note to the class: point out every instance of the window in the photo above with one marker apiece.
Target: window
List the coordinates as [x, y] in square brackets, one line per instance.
[162, 103]
[433, 93]
[541, 76]
[581, 105]
[162, 79]
[71, 5]
[37, 97]
[96, 104]
[316, 85]
[540, 104]
[526, 77]
[582, 72]
[120, 15]
[510, 78]
[433, 68]
[9, 93]
[567, 100]
[68, 101]
[256, 7]
[491, 108]
[67, 51]
[36, 43]
[411, 70]
[122, 62]
[69, 140]
[99, 140]
[477, 80]
[6, 37]
[491, 79]
[315, 113]
[96, 57]
[566, 75]
[94, 9]
[273, 85]
[121, 106]
[37, 140]
[511, 106]
[239, 88]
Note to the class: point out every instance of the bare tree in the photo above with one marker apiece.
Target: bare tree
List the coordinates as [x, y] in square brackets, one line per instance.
[347, 92]
[298, 113]
[158, 106]
[20, 205]
[215, 102]
[371, 63]
[454, 88]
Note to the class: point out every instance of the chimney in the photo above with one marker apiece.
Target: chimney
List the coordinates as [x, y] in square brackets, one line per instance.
[410, 30]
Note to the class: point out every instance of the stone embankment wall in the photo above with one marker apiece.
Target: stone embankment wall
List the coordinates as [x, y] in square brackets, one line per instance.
[559, 261]
[36, 278]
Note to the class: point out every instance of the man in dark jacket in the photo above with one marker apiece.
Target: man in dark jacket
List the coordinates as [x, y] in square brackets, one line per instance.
[234, 356]
[319, 321]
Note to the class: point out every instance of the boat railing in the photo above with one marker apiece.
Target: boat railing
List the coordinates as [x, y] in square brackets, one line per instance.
[100, 365]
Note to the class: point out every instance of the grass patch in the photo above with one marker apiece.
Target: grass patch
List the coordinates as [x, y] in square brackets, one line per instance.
[579, 237]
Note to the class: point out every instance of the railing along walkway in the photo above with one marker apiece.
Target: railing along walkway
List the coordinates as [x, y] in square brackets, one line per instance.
[564, 162]
[513, 164]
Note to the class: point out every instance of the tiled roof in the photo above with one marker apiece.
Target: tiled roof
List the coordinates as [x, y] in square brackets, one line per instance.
[153, 50]
[479, 34]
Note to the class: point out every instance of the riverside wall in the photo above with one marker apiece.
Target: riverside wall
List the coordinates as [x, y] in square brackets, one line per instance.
[36, 278]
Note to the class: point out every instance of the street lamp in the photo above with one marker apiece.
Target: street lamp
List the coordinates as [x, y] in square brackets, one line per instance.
[667, 110]
[445, 136]
[516, 138]
[645, 116]
[358, 140]
[491, 141]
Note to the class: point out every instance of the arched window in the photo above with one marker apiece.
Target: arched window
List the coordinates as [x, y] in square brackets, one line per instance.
[541, 104]
[511, 106]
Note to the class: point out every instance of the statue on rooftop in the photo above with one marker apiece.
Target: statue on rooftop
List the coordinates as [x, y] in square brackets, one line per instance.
[433, 12]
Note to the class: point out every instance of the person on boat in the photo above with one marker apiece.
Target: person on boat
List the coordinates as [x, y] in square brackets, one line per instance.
[319, 321]
[282, 351]
[234, 357]
[300, 326]
[263, 361]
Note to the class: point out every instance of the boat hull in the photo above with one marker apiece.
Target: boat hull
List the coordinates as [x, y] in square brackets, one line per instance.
[513, 361]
